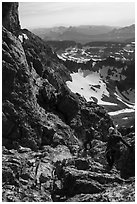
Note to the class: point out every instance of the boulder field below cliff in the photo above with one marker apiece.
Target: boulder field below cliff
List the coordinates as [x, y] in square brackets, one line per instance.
[54, 174]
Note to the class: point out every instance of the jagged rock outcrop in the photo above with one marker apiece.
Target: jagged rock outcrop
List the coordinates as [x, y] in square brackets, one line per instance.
[53, 174]
[10, 19]
[29, 124]
[44, 124]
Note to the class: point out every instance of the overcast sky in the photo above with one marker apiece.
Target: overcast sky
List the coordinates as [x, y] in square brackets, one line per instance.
[49, 14]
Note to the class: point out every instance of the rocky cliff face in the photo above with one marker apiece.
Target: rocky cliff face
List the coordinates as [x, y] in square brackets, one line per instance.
[44, 124]
[10, 19]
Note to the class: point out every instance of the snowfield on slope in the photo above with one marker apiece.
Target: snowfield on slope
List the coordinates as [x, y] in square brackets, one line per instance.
[123, 99]
[89, 84]
[126, 110]
[22, 37]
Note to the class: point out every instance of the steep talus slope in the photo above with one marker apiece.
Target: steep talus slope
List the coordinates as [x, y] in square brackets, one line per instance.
[44, 122]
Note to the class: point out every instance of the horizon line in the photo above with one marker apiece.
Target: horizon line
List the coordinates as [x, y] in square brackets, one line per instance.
[68, 26]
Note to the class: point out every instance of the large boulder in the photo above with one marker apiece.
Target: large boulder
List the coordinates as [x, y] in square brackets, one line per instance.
[124, 192]
[126, 163]
[76, 182]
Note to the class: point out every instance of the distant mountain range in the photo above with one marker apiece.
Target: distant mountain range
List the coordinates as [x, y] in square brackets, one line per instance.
[87, 33]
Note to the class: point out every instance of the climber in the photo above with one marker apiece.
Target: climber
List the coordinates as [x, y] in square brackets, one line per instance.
[89, 138]
[58, 169]
[113, 146]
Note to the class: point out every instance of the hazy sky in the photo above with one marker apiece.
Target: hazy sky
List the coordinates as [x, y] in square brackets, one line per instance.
[48, 14]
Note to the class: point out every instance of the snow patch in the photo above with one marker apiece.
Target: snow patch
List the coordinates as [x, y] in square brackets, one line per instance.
[123, 100]
[22, 37]
[125, 118]
[126, 110]
[93, 64]
[60, 57]
[86, 83]
[25, 36]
